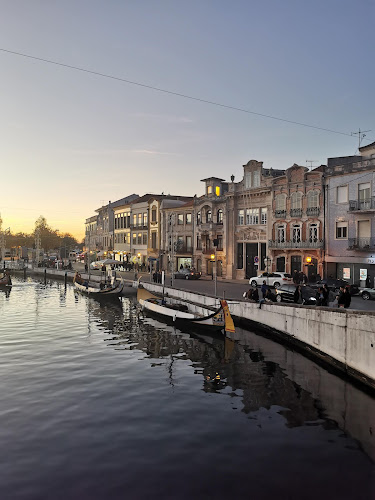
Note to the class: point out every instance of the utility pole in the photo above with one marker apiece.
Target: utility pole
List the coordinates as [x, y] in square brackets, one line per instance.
[361, 135]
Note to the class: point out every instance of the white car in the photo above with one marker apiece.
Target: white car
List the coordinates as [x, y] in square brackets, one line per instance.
[272, 279]
[97, 264]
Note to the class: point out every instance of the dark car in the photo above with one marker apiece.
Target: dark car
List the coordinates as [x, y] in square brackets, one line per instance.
[285, 293]
[335, 284]
[187, 274]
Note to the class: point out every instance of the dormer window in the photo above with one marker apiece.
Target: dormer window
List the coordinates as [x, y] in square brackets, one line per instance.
[209, 189]
[217, 190]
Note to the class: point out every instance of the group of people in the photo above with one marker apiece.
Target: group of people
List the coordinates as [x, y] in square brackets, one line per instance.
[267, 294]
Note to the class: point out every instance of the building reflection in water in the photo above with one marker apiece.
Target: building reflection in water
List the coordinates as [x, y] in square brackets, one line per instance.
[252, 370]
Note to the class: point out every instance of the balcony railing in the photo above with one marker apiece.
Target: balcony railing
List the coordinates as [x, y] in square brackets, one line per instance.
[296, 212]
[280, 214]
[296, 244]
[135, 226]
[361, 244]
[367, 204]
[311, 211]
[183, 249]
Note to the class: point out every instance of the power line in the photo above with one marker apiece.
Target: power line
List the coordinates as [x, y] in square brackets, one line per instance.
[178, 94]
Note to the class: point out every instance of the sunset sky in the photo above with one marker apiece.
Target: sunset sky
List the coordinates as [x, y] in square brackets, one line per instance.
[71, 140]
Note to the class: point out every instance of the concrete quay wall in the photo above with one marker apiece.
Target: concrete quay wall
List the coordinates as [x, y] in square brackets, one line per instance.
[339, 337]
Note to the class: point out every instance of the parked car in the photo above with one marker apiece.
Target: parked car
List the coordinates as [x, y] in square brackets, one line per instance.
[97, 264]
[367, 293]
[285, 293]
[272, 279]
[187, 274]
[334, 285]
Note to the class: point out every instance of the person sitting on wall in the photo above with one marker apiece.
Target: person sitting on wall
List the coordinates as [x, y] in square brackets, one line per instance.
[341, 297]
[347, 297]
[264, 288]
[270, 296]
[298, 295]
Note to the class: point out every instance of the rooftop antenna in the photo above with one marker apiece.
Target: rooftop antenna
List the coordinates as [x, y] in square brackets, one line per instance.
[311, 162]
[361, 135]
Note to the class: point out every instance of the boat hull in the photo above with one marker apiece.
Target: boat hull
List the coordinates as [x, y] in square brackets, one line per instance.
[89, 289]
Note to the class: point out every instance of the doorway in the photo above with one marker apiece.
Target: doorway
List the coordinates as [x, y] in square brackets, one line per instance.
[251, 253]
[296, 261]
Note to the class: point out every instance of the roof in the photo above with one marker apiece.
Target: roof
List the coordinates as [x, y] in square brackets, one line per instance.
[368, 146]
[213, 179]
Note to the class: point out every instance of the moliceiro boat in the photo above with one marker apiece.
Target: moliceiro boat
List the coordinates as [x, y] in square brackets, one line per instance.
[101, 289]
[177, 313]
[5, 280]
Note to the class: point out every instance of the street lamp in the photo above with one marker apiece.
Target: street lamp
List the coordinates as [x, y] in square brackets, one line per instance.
[214, 270]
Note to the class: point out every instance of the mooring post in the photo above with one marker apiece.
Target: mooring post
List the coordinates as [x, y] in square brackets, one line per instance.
[45, 276]
[65, 278]
[24, 272]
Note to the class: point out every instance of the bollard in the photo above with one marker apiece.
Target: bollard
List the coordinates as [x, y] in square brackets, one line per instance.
[45, 276]
[24, 273]
[65, 278]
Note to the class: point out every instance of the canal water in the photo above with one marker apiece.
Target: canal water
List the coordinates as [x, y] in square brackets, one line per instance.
[101, 402]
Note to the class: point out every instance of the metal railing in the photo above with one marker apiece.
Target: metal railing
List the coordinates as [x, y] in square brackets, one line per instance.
[296, 212]
[364, 244]
[296, 244]
[313, 211]
[367, 204]
[280, 214]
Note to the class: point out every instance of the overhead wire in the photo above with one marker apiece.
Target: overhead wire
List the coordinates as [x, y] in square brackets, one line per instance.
[170, 92]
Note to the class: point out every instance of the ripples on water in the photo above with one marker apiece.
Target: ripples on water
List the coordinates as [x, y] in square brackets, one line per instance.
[98, 401]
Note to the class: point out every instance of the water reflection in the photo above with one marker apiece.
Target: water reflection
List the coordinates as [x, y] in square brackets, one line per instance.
[253, 371]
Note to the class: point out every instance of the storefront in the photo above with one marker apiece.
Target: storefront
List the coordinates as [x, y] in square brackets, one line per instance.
[359, 271]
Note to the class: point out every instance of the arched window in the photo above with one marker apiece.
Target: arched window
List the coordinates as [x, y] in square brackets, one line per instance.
[220, 216]
[313, 199]
[280, 202]
[208, 216]
[296, 200]
[199, 220]
[313, 233]
[280, 234]
[296, 233]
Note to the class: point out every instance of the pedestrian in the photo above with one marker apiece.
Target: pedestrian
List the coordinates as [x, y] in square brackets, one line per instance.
[347, 298]
[368, 281]
[319, 296]
[264, 288]
[249, 294]
[298, 295]
[255, 295]
[86, 267]
[295, 277]
[325, 295]
[341, 297]
[270, 296]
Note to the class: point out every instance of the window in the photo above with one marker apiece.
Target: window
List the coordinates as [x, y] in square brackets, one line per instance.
[144, 239]
[219, 242]
[280, 202]
[313, 233]
[296, 200]
[217, 190]
[153, 215]
[342, 194]
[247, 179]
[188, 244]
[296, 233]
[209, 189]
[134, 238]
[252, 216]
[153, 239]
[341, 230]
[180, 219]
[220, 216]
[364, 195]
[199, 243]
[145, 219]
[280, 234]
[188, 218]
[263, 216]
[140, 220]
[198, 217]
[313, 199]
[256, 178]
[134, 219]
[208, 216]
[240, 221]
[180, 243]
[139, 238]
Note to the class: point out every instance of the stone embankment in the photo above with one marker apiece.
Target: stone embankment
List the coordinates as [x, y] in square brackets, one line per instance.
[342, 338]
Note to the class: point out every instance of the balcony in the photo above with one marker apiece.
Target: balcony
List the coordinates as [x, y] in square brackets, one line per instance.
[296, 212]
[297, 244]
[362, 205]
[209, 226]
[280, 214]
[361, 244]
[183, 249]
[313, 211]
[136, 227]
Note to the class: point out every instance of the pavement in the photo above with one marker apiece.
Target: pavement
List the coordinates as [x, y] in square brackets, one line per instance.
[229, 289]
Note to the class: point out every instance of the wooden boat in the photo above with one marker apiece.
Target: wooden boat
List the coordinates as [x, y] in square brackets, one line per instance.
[97, 289]
[219, 319]
[6, 280]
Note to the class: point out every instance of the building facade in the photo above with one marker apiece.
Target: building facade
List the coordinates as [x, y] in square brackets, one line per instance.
[297, 222]
[350, 217]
